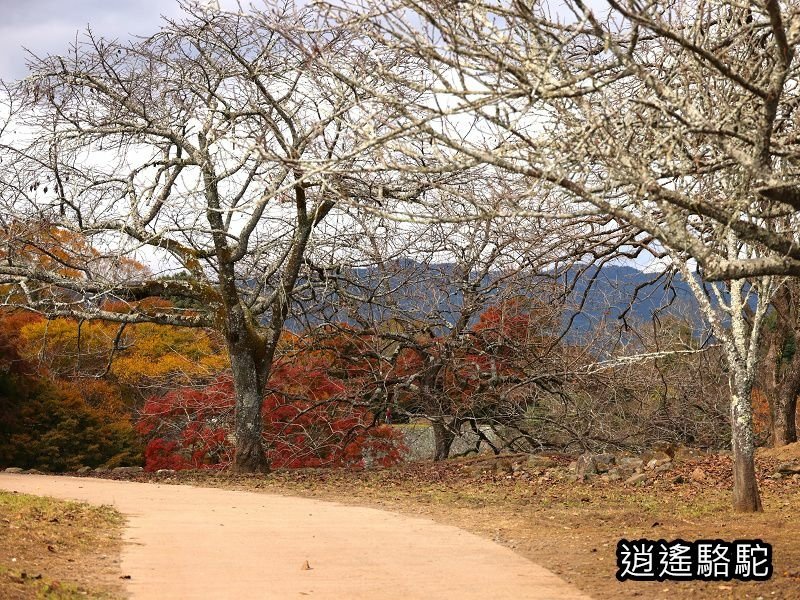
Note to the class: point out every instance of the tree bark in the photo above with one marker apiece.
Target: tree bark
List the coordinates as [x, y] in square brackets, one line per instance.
[443, 437]
[782, 365]
[249, 456]
[247, 367]
[783, 410]
[745, 486]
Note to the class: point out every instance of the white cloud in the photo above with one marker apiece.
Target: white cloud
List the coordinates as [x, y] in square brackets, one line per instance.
[49, 26]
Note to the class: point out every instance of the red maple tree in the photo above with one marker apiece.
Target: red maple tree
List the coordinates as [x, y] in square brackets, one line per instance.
[312, 418]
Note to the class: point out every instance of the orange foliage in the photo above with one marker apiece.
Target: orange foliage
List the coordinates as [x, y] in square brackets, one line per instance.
[58, 250]
[168, 353]
[761, 414]
[50, 423]
[148, 353]
[11, 325]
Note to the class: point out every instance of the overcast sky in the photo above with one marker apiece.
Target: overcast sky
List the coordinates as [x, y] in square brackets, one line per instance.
[48, 26]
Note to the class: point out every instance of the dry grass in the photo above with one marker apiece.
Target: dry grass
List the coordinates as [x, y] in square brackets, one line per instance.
[58, 550]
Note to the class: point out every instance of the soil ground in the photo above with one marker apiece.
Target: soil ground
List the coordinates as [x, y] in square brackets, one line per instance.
[194, 543]
[57, 550]
[569, 527]
[572, 528]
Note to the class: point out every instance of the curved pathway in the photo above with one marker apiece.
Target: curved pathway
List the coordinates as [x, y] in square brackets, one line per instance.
[188, 542]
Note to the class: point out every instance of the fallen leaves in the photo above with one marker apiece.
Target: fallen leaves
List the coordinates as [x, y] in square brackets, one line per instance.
[42, 542]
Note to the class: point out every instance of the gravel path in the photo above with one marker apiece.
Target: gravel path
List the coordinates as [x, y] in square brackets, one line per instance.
[189, 542]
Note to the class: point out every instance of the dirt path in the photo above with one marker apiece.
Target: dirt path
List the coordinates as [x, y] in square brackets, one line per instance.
[188, 542]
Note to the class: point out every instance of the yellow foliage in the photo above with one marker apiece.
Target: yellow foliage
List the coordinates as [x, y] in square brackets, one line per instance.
[146, 351]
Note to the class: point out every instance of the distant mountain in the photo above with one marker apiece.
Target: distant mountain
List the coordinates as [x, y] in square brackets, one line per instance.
[611, 293]
[618, 292]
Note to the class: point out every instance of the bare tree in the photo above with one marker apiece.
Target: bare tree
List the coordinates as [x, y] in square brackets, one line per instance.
[658, 379]
[467, 315]
[215, 152]
[675, 118]
[780, 370]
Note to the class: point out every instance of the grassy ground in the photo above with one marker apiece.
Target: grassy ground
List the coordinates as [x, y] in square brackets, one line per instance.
[569, 527]
[58, 550]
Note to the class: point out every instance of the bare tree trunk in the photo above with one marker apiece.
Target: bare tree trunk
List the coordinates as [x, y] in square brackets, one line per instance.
[249, 456]
[783, 411]
[782, 365]
[745, 487]
[443, 437]
[245, 350]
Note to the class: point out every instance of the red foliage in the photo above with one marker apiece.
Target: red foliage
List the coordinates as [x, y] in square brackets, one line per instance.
[188, 427]
[313, 411]
[478, 374]
[163, 454]
[311, 419]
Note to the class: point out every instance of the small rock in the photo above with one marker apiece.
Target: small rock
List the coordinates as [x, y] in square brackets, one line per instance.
[13, 470]
[541, 461]
[102, 470]
[639, 478]
[652, 464]
[678, 479]
[698, 475]
[126, 470]
[667, 466]
[84, 470]
[683, 453]
[776, 475]
[34, 472]
[604, 462]
[586, 465]
[165, 472]
[789, 468]
[631, 463]
[305, 567]
[651, 455]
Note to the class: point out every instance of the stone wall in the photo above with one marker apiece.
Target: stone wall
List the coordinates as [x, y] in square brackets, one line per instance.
[418, 437]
